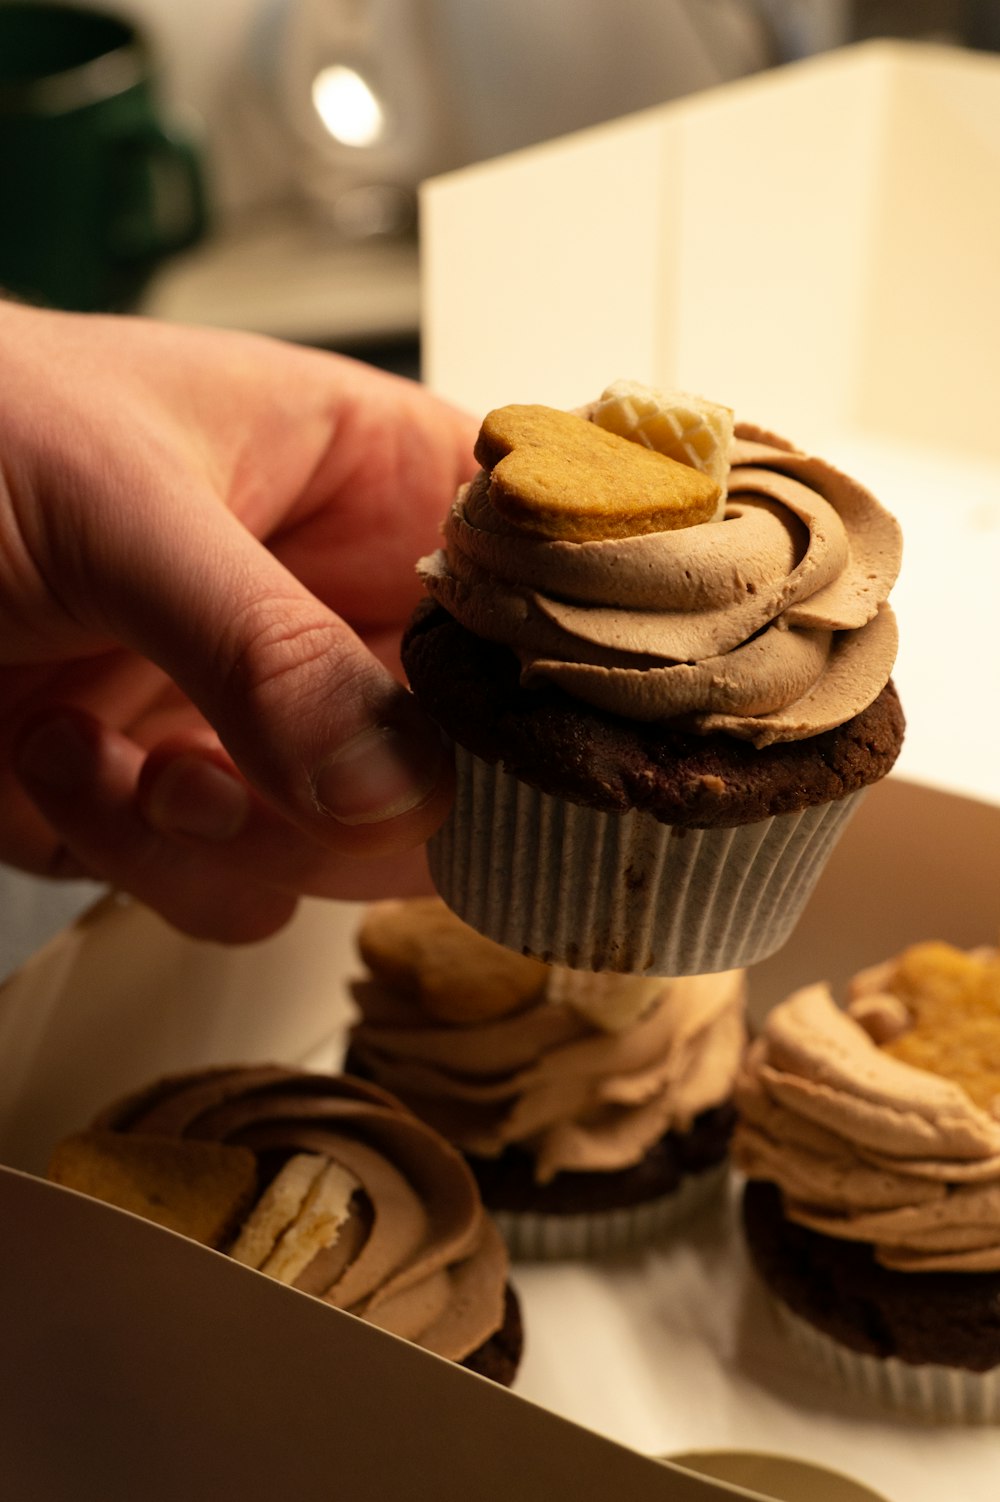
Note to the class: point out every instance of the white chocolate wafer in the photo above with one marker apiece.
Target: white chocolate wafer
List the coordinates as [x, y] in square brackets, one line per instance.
[298, 1215]
[612, 1002]
[687, 428]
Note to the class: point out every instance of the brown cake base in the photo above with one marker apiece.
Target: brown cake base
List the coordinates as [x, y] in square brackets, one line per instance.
[550, 741]
[499, 1357]
[941, 1319]
[508, 1182]
[594, 1215]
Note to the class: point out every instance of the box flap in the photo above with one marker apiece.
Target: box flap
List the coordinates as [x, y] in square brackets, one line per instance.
[139, 1367]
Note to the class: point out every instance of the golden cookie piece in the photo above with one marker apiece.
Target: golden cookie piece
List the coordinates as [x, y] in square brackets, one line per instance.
[953, 999]
[557, 476]
[683, 426]
[200, 1189]
[457, 976]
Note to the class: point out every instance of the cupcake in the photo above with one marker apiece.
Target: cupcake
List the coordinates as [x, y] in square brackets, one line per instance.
[871, 1142]
[325, 1183]
[594, 1109]
[663, 654]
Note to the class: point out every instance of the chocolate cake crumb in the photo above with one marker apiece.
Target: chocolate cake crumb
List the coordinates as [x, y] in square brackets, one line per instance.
[508, 1182]
[941, 1318]
[499, 1357]
[568, 749]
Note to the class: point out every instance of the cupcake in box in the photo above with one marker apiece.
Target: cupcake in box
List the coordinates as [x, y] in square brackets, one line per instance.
[594, 1109]
[871, 1142]
[663, 652]
[327, 1184]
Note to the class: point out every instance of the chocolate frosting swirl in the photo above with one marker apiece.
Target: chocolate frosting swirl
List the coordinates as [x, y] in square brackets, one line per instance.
[771, 625]
[547, 1078]
[867, 1147]
[418, 1256]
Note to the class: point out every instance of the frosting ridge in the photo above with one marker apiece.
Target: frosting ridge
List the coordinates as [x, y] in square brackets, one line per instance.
[771, 624]
[399, 1235]
[576, 1094]
[865, 1145]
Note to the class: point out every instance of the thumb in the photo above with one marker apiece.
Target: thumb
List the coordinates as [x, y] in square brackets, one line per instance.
[312, 720]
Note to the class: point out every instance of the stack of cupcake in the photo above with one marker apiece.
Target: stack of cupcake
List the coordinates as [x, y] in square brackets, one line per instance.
[871, 1140]
[662, 648]
[595, 1110]
[663, 653]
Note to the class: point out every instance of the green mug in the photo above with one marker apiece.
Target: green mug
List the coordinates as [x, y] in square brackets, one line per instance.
[95, 189]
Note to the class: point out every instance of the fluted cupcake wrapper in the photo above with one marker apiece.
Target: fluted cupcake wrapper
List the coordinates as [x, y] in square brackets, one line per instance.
[534, 1236]
[575, 886]
[940, 1394]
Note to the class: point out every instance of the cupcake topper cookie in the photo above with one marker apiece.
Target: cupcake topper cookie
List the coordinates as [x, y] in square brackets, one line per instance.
[557, 476]
[452, 973]
[946, 1004]
[684, 427]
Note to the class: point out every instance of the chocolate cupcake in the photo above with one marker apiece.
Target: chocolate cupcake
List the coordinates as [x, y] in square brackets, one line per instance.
[667, 682]
[871, 1141]
[325, 1183]
[595, 1110]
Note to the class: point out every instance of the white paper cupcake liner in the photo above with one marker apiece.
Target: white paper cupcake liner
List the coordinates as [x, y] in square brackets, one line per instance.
[533, 1236]
[622, 892]
[940, 1394]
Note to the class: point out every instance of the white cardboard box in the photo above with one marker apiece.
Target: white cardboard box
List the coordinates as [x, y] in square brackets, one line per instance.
[139, 1367]
[135, 1365]
[817, 247]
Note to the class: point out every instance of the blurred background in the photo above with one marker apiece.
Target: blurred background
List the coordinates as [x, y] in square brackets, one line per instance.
[280, 194]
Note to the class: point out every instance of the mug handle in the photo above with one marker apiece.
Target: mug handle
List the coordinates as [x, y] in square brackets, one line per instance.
[156, 197]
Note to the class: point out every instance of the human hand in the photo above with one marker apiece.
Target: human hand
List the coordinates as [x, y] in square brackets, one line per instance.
[207, 544]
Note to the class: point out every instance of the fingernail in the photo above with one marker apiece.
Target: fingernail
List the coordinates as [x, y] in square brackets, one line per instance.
[377, 775]
[195, 797]
[54, 756]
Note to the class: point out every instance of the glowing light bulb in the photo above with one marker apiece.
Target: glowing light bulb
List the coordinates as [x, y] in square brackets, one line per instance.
[348, 107]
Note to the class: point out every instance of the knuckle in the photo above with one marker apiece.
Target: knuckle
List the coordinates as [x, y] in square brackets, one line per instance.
[270, 653]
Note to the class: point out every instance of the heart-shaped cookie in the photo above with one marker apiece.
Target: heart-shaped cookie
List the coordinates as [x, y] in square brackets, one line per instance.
[557, 476]
[199, 1189]
[456, 975]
